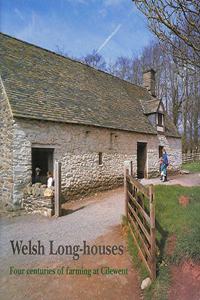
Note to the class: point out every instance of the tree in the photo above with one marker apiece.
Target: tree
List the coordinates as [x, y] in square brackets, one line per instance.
[95, 60]
[177, 23]
[123, 68]
[61, 50]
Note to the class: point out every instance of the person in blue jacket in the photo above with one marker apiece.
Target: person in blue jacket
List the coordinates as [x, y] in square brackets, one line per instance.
[164, 165]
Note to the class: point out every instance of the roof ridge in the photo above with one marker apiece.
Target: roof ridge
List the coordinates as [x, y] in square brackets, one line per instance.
[71, 59]
[157, 99]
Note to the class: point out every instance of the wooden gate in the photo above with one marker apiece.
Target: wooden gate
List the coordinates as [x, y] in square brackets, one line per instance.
[57, 197]
[140, 213]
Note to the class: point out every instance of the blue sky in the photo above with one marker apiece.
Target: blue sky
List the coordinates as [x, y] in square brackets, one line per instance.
[115, 27]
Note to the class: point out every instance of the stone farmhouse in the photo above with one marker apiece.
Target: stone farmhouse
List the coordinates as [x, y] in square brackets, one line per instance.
[55, 108]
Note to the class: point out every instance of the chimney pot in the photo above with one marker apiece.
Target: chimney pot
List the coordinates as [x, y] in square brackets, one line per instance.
[149, 81]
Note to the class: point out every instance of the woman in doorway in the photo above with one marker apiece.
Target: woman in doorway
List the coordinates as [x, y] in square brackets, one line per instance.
[50, 180]
[37, 175]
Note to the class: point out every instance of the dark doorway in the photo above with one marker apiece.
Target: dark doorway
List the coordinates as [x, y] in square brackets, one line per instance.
[42, 158]
[141, 160]
[160, 151]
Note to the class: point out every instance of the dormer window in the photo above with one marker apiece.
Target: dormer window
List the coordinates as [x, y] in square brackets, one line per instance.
[160, 122]
[154, 110]
[160, 119]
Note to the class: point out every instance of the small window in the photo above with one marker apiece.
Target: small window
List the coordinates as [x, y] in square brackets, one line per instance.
[100, 158]
[160, 119]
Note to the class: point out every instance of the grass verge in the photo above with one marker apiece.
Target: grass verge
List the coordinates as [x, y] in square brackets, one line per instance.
[172, 220]
[193, 167]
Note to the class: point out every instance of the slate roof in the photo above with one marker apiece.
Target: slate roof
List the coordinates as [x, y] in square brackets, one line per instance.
[46, 86]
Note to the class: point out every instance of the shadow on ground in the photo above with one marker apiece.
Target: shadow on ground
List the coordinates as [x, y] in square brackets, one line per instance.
[65, 211]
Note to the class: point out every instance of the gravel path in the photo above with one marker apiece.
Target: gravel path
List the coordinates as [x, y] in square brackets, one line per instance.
[93, 219]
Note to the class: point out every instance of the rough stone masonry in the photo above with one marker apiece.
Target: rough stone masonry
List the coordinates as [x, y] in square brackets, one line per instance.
[6, 149]
[78, 147]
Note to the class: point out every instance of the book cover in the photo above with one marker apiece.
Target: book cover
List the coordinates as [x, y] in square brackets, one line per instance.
[99, 151]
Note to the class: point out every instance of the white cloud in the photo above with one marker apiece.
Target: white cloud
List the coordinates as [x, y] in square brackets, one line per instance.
[35, 31]
[19, 14]
[103, 12]
[80, 1]
[113, 2]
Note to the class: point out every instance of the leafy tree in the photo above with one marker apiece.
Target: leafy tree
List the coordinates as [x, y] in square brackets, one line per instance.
[177, 23]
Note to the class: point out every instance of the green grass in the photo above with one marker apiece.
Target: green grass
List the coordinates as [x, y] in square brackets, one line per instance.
[192, 167]
[181, 221]
[172, 219]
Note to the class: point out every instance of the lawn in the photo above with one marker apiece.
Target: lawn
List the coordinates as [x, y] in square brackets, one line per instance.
[192, 167]
[177, 222]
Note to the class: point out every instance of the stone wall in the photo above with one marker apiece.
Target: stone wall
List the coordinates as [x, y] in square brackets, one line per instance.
[37, 199]
[78, 147]
[173, 147]
[39, 205]
[6, 150]
[22, 169]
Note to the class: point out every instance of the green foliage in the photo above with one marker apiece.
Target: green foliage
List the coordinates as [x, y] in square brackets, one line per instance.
[192, 167]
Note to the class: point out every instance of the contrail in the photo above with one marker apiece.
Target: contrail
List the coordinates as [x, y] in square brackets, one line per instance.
[109, 38]
[113, 33]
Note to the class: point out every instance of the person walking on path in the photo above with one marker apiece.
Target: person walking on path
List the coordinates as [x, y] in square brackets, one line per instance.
[164, 165]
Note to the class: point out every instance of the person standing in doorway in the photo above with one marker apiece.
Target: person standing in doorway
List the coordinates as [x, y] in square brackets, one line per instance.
[50, 180]
[37, 175]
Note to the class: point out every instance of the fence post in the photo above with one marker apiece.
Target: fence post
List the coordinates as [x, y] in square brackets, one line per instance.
[57, 202]
[127, 171]
[126, 191]
[190, 156]
[152, 232]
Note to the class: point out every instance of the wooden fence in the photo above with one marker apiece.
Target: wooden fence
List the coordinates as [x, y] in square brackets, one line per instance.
[140, 212]
[190, 157]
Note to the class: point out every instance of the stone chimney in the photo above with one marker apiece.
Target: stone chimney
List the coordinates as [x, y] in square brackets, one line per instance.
[149, 81]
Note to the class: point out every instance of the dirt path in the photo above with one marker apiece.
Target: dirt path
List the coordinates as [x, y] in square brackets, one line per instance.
[186, 282]
[96, 220]
[77, 287]
[184, 180]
